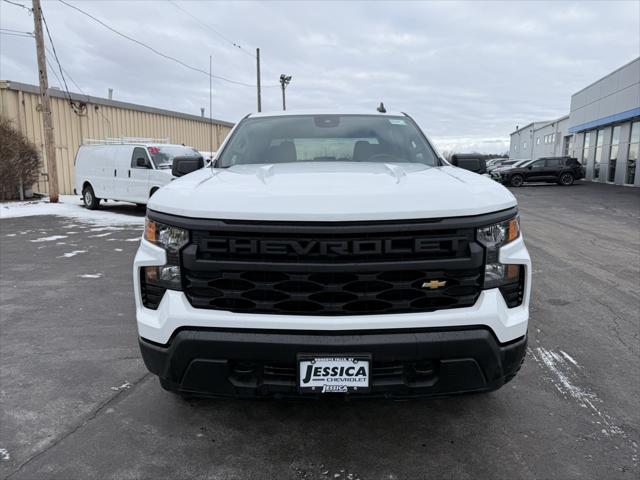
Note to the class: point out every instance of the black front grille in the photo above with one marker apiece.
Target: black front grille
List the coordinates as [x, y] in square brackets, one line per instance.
[332, 293]
[354, 268]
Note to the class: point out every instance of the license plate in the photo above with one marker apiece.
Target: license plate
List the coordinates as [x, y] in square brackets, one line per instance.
[322, 374]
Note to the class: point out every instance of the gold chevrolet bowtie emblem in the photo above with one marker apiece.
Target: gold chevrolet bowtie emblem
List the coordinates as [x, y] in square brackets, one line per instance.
[433, 284]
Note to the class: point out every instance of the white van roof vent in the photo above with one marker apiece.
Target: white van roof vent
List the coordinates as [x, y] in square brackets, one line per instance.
[123, 140]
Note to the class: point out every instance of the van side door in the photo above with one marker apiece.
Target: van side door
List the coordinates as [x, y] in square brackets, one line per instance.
[139, 172]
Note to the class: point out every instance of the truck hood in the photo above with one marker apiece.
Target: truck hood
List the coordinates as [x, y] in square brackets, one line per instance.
[331, 191]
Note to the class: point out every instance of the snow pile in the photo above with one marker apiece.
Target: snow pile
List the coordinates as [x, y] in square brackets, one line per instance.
[71, 206]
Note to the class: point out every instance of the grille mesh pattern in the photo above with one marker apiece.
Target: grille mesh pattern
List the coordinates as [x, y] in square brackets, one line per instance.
[331, 293]
[351, 268]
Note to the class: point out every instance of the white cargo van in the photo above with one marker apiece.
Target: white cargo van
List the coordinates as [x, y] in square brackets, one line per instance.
[126, 171]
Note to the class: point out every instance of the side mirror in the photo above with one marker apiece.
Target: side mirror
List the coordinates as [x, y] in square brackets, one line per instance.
[183, 165]
[141, 162]
[530, 167]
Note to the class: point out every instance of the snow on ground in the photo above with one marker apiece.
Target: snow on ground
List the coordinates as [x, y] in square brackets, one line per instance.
[91, 275]
[71, 206]
[72, 254]
[50, 239]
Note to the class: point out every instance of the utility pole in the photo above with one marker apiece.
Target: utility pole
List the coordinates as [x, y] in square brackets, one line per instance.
[258, 82]
[49, 142]
[284, 81]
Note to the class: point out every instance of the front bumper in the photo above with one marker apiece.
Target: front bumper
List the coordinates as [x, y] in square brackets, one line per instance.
[244, 363]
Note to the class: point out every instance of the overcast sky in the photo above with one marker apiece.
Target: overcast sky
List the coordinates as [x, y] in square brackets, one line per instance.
[468, 72]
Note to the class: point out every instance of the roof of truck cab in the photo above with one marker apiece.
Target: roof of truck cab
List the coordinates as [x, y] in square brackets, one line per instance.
[289, 113]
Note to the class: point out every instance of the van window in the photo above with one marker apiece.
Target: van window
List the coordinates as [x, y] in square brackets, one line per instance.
[139, 152]
[163, 156]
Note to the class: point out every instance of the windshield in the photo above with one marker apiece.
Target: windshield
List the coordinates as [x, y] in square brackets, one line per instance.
[163, 156]
[327, 138]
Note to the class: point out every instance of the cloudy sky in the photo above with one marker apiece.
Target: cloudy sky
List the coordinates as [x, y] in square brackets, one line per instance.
[467, 71]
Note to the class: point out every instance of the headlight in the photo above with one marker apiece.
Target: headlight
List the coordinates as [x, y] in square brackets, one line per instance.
[156, 279]
[493, 237]
[499, 234]
[170, 238]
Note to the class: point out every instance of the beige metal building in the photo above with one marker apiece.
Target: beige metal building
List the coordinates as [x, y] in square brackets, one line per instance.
[83, 117]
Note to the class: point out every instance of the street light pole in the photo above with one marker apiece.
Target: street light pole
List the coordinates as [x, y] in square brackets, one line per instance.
[284, 81]
[258, 79]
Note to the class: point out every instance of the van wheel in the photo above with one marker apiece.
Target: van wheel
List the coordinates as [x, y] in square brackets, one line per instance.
[566, 179]
[89, 198]
[516, 181]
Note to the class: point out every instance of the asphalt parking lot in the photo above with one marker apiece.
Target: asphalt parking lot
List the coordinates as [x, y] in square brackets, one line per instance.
[77, 401]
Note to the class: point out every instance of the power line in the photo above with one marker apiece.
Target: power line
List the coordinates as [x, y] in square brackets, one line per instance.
[53, 70]
[168, 57]
[66, 72]
[11, 30]
[210, 28]
[23, 35]
[55, 55]
[18, 4]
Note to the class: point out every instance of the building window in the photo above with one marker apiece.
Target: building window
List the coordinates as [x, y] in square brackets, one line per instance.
[613, 153]
[553, 138]
[585, 148]
[524, 146]
[538, 141]
[632, 158]
[567, 151]
[598, 157]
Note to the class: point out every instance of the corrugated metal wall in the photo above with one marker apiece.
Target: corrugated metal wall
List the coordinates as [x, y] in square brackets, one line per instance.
[99, 121]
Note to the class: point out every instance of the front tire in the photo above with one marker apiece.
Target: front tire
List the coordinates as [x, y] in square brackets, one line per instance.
[566, 179]
[89, 198]
[516, 181]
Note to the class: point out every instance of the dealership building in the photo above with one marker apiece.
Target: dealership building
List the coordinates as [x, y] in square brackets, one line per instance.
[602, 129]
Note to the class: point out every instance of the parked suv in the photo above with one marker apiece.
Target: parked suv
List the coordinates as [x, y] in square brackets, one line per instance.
[331, 254]
[561, 170]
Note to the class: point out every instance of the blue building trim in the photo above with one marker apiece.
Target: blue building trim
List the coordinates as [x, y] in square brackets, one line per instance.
[618, 117]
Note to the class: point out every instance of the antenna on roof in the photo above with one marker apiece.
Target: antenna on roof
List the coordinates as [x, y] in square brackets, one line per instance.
[381, 108]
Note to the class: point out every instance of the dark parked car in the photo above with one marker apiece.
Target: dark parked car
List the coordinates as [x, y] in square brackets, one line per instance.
[505, 162]
[562, 170]
[469, 161]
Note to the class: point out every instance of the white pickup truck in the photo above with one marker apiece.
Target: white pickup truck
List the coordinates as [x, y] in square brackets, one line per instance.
[332, 254]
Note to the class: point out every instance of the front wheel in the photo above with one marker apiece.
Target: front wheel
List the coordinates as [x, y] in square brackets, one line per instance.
[516, 181]
[89, 198]
[566, 179]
